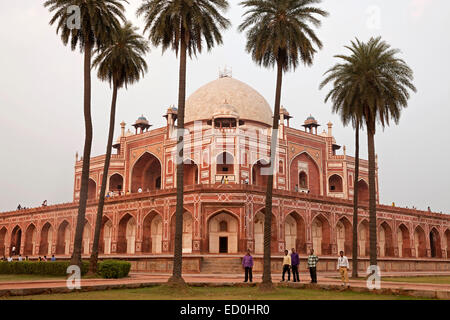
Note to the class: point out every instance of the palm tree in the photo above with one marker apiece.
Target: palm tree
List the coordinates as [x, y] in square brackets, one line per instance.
[121, 63]
[98, 20]
[344, 96]
[279, 34]
[378, 84]
[185, 26]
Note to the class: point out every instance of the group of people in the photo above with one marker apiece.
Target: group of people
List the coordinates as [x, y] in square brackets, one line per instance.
[20, 258]
[292, 262]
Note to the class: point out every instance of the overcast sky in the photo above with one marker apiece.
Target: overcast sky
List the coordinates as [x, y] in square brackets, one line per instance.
[41, 90]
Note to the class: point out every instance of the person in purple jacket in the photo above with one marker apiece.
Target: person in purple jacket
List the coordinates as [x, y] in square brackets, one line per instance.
[247, 263]
[295, 261]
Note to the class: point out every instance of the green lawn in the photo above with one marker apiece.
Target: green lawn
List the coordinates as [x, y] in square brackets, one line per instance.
[223, 293]
[430, 279]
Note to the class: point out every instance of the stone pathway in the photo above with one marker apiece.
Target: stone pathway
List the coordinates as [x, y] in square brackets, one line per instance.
[145, 279]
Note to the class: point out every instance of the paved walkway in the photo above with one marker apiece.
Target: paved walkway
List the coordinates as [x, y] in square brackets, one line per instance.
[139, 279]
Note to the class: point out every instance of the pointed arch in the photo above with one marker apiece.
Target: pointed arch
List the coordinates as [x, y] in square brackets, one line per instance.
[447, 242]
[152, 232]
[47, 237]
[385, 240]
[188, 230]
[363, 191]
[116, 183]
[363, 238]
[225, 163]
[295, 232]
[420, 242]
[258, 233]
[335, 184]
[126, 240]
[92, 189]
[344, 235]
[223, 230]
[306, 163]
[190, 172]
[87, 234]
[259, 178]
[3, 233]
[63, 238]
[146, 173]
[106, 235]
[30, 240]
[321, 235]
[435, 243]
[16, 240]
[403, 241]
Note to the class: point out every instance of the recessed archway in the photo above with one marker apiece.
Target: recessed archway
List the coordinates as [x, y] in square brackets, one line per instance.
[304, 162]
[447, 242]
[152, 233]
[363, 191]
[106, 234]
[259, 173]
[146, 174]
[363, 238]
[92, 190]
[47, 234]
[63, 239]
[188, 228]
[258, 233]
[85, 245]
[321, 235]
[403, 242]
[16, 241]
[295, 232]
[3, 233]
[335, 184]
[223, 230]
[116, 183]
[420, 242]
[225, 163]
[30, 240]
[344, 237]
[127, 235]
[435, 244]
[190, 173]
[385, 240]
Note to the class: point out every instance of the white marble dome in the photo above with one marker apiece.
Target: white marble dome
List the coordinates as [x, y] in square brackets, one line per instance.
[211, 98]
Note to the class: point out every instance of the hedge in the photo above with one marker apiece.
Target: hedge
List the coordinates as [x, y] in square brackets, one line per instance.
[53, 268]
[113, 269]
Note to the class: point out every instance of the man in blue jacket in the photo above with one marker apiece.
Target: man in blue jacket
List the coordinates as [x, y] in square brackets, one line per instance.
[295, 261]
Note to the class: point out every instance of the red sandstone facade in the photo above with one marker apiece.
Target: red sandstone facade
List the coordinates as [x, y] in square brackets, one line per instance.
[226, 154]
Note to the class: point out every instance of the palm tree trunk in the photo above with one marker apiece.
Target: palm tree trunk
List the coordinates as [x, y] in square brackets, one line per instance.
[355, 206]
[178, 245]
[101, 201]
[267, 274]
[372, 195]
[76, 255]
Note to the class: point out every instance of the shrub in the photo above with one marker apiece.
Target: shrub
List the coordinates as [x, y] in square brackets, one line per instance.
[54, 268]
[114, 269]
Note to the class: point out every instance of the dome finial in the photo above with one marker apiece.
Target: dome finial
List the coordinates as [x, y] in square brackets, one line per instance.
[226, 72]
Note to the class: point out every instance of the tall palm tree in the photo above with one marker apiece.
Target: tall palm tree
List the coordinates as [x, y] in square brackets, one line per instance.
[98, 19]
[121, 63]
[279, 33]
[344, 96]
[378, 83]
[185, 26]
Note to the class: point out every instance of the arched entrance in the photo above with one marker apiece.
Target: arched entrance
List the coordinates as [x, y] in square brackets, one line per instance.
[30, 240]
[447, 242]
[116, 183]
[363, 238]
[223, 233]
[127, 235]
[435, 244]
[295, 232]
[363, 191]
[225, 163]
[420, 243]
[259, 233]
[45, 246]
[335, 184]
[106, 234]
[146, 174]
[152, 233]
[259, 174]
[309, 181]
[344, 237]
[3, 233]
[92, 190]
[16, 241]
[85, 246]
[385, 240]
[63, 239]
[188, 228]
[403, 242]
[321, 235]
[190, 173]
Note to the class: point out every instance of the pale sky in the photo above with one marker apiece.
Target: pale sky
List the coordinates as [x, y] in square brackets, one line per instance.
[41, 90]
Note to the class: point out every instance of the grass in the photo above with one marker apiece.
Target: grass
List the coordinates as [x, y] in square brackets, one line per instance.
[162, 292]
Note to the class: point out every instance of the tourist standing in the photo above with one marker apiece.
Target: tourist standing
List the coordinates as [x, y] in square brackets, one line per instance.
[295, 261]
[20, 257]
[53, 257]
[343, 267]
[312, 265]
[44, 259]
[247, 263]
[286, 265]
[10, 259]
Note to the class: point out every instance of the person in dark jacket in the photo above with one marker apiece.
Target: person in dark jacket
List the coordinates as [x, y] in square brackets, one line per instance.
[295, 261]
[247, 263]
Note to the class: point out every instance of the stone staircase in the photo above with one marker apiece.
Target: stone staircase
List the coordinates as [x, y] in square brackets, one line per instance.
[213, 265]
